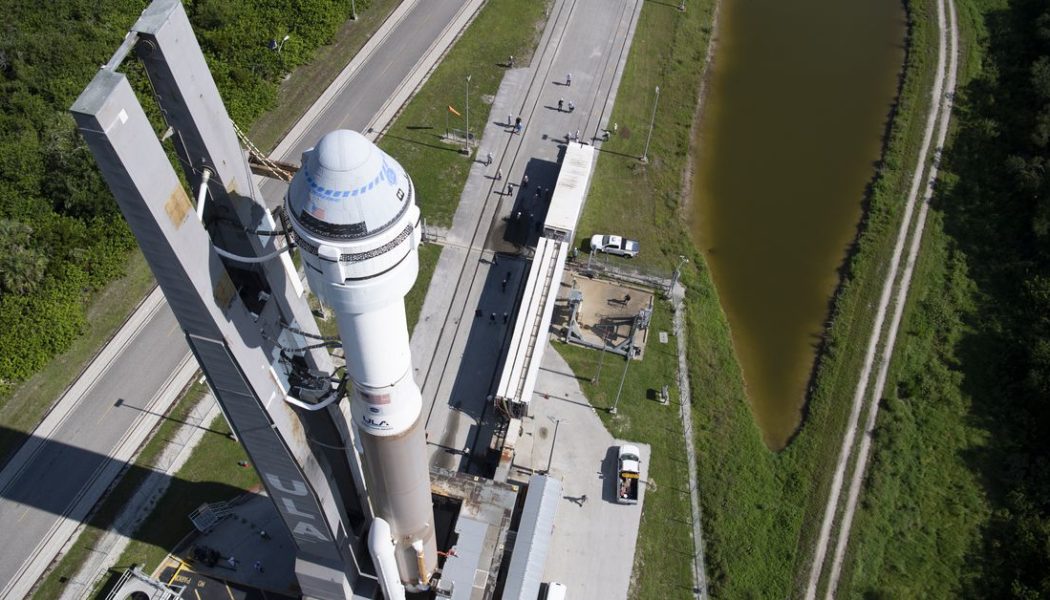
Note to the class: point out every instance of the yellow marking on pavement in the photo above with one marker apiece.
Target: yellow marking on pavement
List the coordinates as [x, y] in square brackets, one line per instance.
[228, 590]
[173, 328]
[182, 565]
[24, 513]
[196, 593]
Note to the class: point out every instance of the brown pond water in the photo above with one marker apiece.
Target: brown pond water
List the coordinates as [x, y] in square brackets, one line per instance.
[799, 95]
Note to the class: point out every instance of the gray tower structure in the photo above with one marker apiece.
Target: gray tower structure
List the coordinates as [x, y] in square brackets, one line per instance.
[223, 265]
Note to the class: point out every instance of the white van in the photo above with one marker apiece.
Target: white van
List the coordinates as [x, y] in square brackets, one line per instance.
[555, 591]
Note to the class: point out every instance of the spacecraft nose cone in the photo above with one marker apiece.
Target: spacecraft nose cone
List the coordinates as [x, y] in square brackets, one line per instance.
[348, 188]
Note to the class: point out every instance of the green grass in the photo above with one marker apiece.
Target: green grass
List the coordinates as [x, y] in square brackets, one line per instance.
[927, 506]
[21, 412]
[428, 259]
[501, 29]
[110, 506]
[663, 558]
[302, 87]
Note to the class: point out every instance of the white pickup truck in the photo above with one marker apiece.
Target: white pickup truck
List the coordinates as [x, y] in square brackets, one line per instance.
[629, 470]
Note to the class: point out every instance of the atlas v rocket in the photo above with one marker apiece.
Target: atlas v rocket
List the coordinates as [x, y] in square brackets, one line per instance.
[356, 223]
[223, 265]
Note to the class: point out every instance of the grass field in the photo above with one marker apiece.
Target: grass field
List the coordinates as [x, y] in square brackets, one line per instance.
[923, 527]
[501, 29]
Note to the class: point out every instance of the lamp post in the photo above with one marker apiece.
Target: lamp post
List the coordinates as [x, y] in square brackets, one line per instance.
[466, 118]
[616, 403]
[353, 9]
[652, 121]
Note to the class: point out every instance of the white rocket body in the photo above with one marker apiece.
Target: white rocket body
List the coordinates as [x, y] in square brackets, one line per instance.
[353, 211]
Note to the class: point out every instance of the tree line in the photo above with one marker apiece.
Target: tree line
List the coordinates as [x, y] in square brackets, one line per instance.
[62, 237]
[998, 215]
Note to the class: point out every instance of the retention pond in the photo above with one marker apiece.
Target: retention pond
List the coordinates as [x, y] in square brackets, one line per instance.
[798, 100]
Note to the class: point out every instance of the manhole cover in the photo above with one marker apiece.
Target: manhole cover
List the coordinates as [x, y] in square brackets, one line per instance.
[663, 337]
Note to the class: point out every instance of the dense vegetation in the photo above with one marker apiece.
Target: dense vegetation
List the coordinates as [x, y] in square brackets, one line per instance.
[61, 235]
[962, 471]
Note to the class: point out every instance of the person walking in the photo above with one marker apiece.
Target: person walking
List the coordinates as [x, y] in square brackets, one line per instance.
[568, 79]
[561, 101]
[525, 181]
[488, 159]
[258, 566]
[572, 106]
[499, 174]
[233, 561]
[505, 317]
[576, 136]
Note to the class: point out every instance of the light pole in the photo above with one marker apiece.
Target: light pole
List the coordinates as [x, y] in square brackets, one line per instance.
[652, 121]
[353, 9]
[466, 118]
[630, 350]
[601, 359]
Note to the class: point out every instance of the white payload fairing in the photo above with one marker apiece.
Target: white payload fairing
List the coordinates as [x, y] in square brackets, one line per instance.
[354, 215]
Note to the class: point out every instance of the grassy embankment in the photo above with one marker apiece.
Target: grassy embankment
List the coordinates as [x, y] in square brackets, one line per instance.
[954, 505]
[760, 509]
[501, 29]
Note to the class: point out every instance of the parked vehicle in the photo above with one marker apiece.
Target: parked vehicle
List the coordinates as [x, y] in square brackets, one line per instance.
[630, 469]
[614, 244]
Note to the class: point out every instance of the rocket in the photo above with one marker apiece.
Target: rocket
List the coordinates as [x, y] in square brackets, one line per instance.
[353, 213]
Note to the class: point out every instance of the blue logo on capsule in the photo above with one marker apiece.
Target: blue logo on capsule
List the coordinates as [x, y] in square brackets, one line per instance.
[373, 410]
[388, 172]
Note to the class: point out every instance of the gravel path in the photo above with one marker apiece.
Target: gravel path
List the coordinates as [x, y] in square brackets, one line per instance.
[941, 103]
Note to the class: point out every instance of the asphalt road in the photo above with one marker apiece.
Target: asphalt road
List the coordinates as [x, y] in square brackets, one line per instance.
[367, 93]
[61, 471]
[47, 486]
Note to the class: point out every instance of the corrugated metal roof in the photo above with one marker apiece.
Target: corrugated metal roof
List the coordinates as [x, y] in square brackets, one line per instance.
[533, 539]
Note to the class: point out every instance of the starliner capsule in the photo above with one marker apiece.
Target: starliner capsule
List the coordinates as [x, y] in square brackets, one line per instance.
[352, 209]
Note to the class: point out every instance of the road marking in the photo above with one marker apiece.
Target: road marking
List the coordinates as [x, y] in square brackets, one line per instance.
[104, 413]
[23, 515]
[226, 586]
[173, 328]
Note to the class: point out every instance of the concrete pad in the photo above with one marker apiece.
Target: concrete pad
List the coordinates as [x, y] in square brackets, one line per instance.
[592, 549]
[240, 536]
